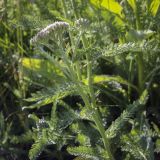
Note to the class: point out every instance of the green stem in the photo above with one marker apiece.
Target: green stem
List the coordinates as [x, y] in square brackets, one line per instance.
[139, 55]
[74, 8]
[65, 8]
[77, 63]
[72, 42]
[130, 78]
[140, 72]
[96, 116]
[138, 24]
[92, 105]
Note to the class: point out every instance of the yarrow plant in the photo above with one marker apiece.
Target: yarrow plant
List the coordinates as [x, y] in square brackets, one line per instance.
[93, 81]
[87, 93]
[75, 62]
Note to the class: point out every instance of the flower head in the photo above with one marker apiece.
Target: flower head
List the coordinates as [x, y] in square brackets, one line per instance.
[55, 28]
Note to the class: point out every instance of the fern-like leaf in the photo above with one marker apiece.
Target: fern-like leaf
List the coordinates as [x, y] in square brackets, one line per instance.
[118, 124]
[37, 148]
[48, 96]
[85, 152]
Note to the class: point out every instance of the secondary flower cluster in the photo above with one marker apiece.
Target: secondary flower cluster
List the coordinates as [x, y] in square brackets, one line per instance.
[81, 23]
[56, 27]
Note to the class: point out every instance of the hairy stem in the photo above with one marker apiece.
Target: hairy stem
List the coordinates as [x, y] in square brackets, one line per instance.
[96, 116]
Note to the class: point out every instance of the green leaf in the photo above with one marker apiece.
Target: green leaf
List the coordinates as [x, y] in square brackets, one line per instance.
[132, 3]
[134, 148]
[105, 78]
[85, 152]
[34, 67]
[86, 114]
[118, 124]
[2, 123]
[143, 98]
[110, 5]
[158, 145]
[154, 7]
[37, 148]
[135, 35]
[83, 139]
[45, 97]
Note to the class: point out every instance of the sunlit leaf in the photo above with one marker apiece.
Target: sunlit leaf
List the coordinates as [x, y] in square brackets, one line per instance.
[154, 7]
[132, 3]
[44, 97]
[105, 78]
[110, 5]
[36, 69]
[40, 65]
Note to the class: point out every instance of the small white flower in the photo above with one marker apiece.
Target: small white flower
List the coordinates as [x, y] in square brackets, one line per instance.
[81, 22]
[56, 28]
